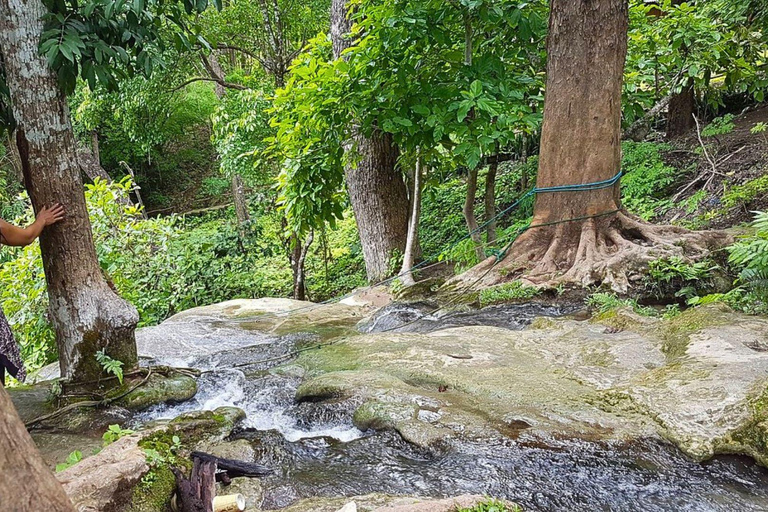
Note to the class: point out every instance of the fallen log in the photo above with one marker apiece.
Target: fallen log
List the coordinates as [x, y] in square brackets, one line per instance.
[198, 492]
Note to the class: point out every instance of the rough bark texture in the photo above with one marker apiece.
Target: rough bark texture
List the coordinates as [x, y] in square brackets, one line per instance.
[238, 195]
[376, 187]
[86, 313]
[26, 483]
[680, 113]
[581, 237]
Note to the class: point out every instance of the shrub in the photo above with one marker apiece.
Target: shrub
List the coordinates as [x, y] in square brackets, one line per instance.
[647, 179]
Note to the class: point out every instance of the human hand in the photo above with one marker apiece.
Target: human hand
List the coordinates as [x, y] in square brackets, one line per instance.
[51, 215]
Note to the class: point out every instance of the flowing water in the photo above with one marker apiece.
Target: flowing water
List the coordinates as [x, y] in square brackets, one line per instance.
[316, 451]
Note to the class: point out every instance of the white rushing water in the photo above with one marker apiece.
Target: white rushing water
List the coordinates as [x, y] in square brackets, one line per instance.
[268, 405]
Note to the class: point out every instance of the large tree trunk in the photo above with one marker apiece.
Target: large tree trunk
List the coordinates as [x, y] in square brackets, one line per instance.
[86, 313]
[581, 236]
[26, 483]
[376, 187]
[680, 112]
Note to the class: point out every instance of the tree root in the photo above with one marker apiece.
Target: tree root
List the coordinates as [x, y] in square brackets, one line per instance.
[613, 251]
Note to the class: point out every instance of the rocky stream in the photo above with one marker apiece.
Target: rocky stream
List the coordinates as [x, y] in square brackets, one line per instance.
[530, 403]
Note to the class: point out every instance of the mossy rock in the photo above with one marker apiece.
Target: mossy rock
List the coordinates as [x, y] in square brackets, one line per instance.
[174, 388]
[206, 425]
[383, 416]
[420, 290]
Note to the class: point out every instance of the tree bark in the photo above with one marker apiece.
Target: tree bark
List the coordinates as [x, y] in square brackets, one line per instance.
[26, 483]
[469, 214]
[298, 257]
[411, 244]
[376, 187]
[241, 204]
[87, 315]
[490, 202]
[581, 236]
[680, 112]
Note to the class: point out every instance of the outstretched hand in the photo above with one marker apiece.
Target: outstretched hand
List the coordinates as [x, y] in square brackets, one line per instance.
[51, 215]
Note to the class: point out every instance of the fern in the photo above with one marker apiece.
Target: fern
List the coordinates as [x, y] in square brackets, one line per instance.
[110, 365]
[752, 252]
[755, 279]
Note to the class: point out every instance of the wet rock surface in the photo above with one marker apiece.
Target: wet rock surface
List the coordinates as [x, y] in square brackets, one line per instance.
[512, 402]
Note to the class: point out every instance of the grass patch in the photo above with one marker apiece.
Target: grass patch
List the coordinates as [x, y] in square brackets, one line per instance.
[510, 292]
[492, 506]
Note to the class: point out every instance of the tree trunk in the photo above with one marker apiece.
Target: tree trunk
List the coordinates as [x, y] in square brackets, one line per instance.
[680, 112]
[298, 257]
[376, 187]
[213, 66]
[14, 158]
[469, 214]
[580, 236]
[87, 315]
[241, 204]
[26, 483]
[490, 202]
[411, 244]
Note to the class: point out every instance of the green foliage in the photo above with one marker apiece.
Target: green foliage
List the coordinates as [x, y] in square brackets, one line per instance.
[746, 192]
[647, 180]
[109, 365]
[103, 41]
[676, 276]
[509, 292]
[161, 451]
[758, 128]
[719, 126]
[751, 252]
[113, 433]
[72, 459]
[491, 505]
[604, 302]
[713, 45]
[748, 256]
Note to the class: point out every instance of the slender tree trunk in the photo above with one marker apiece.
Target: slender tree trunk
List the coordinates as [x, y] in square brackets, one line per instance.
[87, 315]
[376, 187]
[469, 214]
[298, 260]
[680, 112]
[213, 66]
[26, 483]
[241, 204]
[490, 202]
[411, 244]
[580, 236]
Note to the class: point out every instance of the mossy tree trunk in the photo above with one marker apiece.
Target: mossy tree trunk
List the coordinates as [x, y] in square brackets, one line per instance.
[86, 313]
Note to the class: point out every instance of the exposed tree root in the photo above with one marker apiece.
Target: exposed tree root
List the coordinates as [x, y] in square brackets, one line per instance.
[613, 251]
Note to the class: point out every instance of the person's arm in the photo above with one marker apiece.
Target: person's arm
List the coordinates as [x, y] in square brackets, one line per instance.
[19, 237]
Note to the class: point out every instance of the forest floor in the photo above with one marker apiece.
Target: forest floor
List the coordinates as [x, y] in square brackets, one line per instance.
[728, 182]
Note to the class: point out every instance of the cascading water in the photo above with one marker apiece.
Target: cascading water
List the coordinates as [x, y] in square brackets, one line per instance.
[316, 451]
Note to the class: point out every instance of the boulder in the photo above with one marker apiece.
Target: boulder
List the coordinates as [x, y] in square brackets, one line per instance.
[104, 482]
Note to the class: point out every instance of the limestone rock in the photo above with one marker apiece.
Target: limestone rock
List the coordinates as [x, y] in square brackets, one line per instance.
[104, 482]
